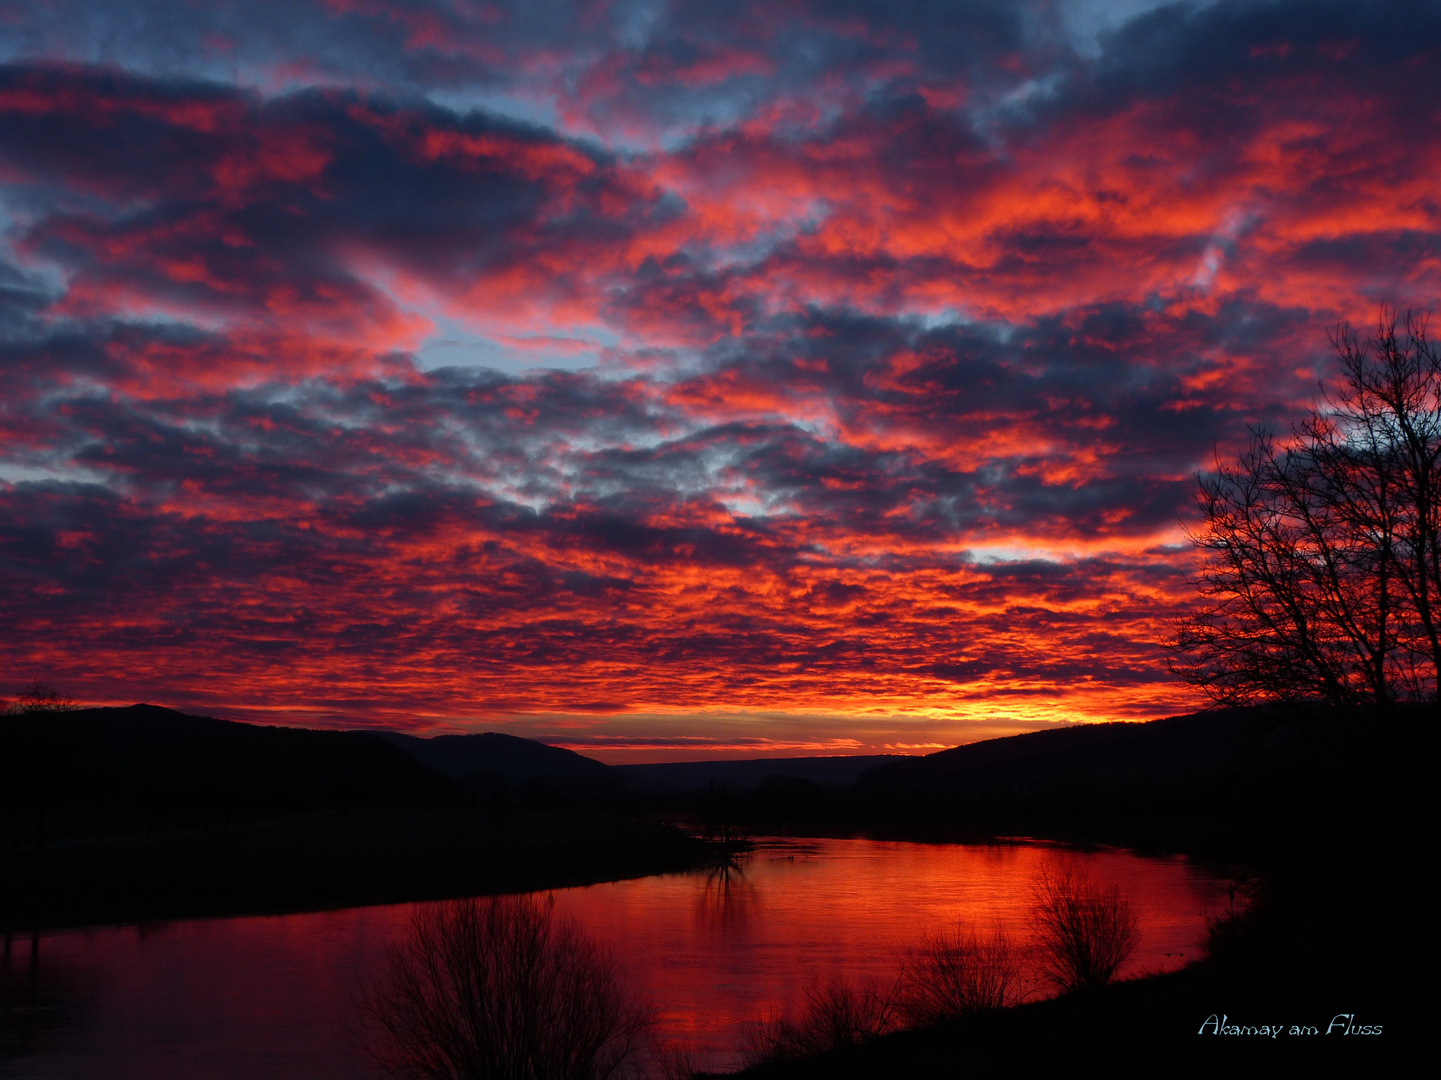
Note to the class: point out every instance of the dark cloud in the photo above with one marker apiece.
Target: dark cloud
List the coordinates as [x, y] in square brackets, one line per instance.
[639, 67]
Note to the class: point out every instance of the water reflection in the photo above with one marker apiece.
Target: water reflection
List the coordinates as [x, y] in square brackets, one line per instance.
[725, 901]
[276, 996]
[499, 987]
[40, 998]
[721, 949]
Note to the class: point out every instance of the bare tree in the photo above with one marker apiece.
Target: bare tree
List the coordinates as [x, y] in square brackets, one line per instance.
[1084, 931]
[1321, 573]
[501, 989]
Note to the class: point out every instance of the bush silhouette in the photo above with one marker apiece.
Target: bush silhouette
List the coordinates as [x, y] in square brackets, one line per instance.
[37, 699]
[953, 973]
[1084, 931]
[837, 1015]
[501, 989]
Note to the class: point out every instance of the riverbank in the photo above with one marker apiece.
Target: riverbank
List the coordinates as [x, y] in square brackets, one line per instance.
[1198, 1021]
[329, 859]
[1318, 963]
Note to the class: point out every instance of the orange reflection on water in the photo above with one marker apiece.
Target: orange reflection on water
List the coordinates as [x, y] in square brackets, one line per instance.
[716, 950]
[719, 950]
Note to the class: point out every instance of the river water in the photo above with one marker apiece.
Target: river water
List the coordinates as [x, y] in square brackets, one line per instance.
[277, 996]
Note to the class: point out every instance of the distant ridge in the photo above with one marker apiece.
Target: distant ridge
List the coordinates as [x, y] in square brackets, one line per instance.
[146, 754]
[1085, 767]
[508, 756]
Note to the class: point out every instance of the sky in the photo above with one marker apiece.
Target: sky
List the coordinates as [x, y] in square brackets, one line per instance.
[667, 380]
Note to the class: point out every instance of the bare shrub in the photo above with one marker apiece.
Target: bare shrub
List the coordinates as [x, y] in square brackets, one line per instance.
[957, 972]
[38, 699]
[836, 1015]
[1227, 927]
[676, 1061]
[1084, 931]
[500, 989]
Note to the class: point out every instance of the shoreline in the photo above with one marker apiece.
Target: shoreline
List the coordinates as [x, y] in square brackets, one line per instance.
[330, 861]
[327, 862]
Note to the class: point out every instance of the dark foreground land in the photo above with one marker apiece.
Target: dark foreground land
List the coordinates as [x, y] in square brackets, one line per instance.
[328, 860]
[127, 815]
[1146, 1027]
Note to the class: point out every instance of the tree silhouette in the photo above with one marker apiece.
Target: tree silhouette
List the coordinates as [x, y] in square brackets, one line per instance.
[1321, 572]
[39, 698]
[1084, 931]
[955, 972]
[501, 989]
[837, 1015]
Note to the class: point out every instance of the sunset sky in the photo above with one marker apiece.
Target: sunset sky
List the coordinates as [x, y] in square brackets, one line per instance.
[668, 379]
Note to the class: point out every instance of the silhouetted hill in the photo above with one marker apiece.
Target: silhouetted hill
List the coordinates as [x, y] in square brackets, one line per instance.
[686, 776]
[508, 756]
[1208, 760]
[159, 763]
[1093, 760]
[144, 812]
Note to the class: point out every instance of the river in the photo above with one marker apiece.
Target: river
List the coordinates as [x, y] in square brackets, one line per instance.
[277, 996]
